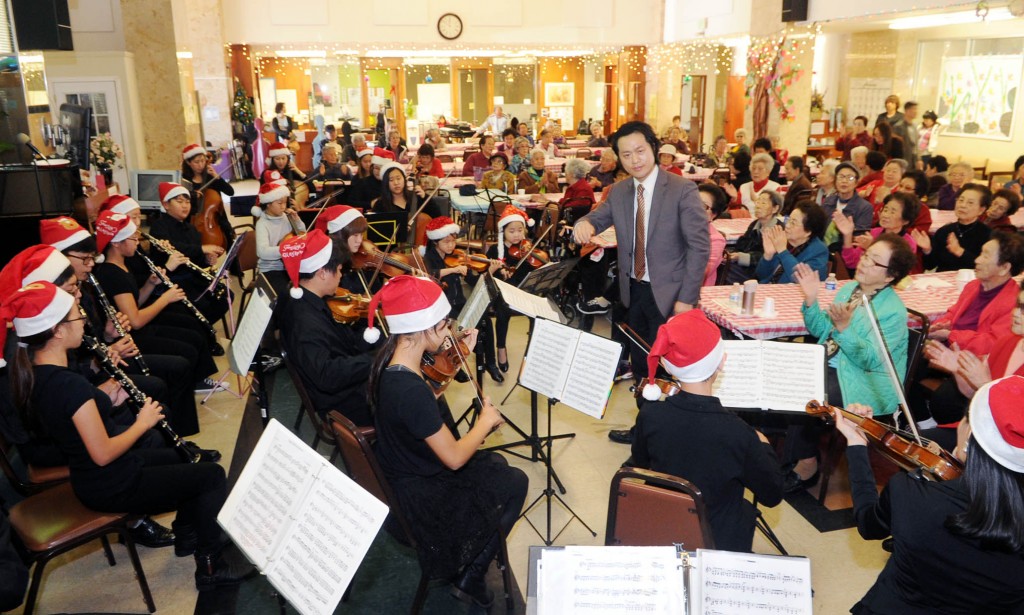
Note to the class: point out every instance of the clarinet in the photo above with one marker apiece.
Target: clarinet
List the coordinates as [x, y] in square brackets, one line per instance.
[111, 313]
[218, 291]
[136, 397]
[166, 281]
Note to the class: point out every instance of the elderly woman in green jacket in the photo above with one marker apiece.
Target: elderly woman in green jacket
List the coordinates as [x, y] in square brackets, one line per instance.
[857, 372]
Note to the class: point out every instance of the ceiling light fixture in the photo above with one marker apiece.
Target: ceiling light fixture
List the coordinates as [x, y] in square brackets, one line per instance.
[948, 19]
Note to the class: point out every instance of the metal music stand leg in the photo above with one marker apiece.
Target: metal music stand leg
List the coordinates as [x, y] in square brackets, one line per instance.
[549, 493]
[533, 440]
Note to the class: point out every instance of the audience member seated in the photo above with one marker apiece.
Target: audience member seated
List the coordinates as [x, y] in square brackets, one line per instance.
[741, 136]
[579, 196]
[597, 138]
[523, 131]
[713, 198]
[547, 145]
[508, 144]
[1005, 203]
[799, 185]
[521, 159]
[675, 140]
[760, 166]
[846, 202]
[856, 135]
[876, 191]
[800, 242]
[606, 172]
[874, 162]
[331, 168]
[1017, 183]
[825, 183]
[719, 154]
[884, 141]
[498, 178]
[764, 146]
[427, 163]
[895, 216]
[915, 183]
[535, 179]
[397, 147]
[749, 248]
[719, 200]
[956, 245]
[935, 170]
[739, 166]
[667, 159]
[960, 173]
[859, 159]
[479, 162]
[692, 436]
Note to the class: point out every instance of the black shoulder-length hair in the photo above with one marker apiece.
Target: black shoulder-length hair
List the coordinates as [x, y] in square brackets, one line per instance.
[995, 508]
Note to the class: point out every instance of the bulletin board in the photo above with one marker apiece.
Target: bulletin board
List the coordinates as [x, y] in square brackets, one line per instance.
[977, 96]
[867, 98]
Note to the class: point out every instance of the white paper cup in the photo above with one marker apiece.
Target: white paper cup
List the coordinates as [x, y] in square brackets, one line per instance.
[768, 309]
[521, 191]
[963, 277]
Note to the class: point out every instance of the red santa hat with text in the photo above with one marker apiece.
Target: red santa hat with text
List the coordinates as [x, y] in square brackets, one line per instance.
[305, 254]
[690, 348]
[33, 309]
[112, 228]
[409, 304]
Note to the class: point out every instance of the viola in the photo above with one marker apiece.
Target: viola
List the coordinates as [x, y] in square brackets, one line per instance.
[474, 262]
[935, 463]
[668, 387]
[208, 221]
[348, 307]
[440, 367]
[526, 252]
[390, 264]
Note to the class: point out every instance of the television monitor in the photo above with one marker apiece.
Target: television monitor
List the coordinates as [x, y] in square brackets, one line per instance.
[146, 186]
[77, 121]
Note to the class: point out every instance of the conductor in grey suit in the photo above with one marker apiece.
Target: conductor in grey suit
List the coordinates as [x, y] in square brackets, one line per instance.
[663, 241]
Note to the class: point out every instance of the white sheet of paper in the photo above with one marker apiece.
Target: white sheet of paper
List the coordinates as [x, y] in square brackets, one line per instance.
[251, 328]
[588, 384]
[548, 358]
[525, 303]
[738, 385]
[475, 307]
[753, 584]
[923, 283]
[781, 376]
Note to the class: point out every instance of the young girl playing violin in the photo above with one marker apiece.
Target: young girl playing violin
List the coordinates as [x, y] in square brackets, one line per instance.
[441, 235]
[455, 497]
[512, 229]
[346, 227]
[274, 221]
[281, 161]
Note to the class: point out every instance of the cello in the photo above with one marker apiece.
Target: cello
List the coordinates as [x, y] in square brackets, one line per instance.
[207, 221]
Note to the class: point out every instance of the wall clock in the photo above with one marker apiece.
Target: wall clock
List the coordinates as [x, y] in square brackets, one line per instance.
[449, 26]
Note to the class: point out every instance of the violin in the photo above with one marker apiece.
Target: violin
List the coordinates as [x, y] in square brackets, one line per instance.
[348, 307]
[935, 463]
[668, 387]
[208, 220]
[474, 262]
[440, 367]
[526, 252]
[390, 264]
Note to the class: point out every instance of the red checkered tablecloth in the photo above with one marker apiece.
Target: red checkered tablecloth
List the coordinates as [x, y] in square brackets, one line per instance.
[932, 301]
[732, 229]
[941, 218]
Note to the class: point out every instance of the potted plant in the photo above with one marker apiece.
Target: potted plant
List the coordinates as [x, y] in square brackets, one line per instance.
[106, 154]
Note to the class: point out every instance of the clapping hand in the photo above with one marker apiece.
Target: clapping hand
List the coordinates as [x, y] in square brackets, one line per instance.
[953, 245]
[974, 370]
[942, 356]
[808, 281]
[841, 315]
[923, 240]
[774, 241]
[843, 223]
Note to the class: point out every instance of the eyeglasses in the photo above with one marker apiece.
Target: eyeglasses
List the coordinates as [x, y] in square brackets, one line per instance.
[867, 258]
[74, 319]
[86, 260]
[846, 178]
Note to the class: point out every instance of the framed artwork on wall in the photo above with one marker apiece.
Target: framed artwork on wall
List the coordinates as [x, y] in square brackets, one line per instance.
[559, 94]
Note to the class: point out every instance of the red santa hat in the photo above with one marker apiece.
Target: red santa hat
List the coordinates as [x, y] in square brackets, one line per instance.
[33, 309]
[387, 154]
[39, 263]
[364, 152]
[62, 232]
[169, 190]
[691, 347]
[337, 217]
[441, 227]
[273, 176]
[510, 215]
[268, 194]
[191, 151]
[305, 254]
[409, 304]
[278, 149]
[112, 228]
[121, 204]
[997, 421]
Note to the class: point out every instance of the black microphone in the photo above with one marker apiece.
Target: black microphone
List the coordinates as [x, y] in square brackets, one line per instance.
[25, 140]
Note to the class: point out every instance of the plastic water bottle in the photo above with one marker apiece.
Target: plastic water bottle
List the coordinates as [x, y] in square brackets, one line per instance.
[736, 294]
[830, 282]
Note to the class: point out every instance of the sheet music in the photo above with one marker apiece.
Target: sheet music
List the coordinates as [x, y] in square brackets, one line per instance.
[243, 347]
[732, 583]
[274, 481]
[591, 376]
[739, 383]
[475, 307]
[610, 580]
[780, 376]
[328, 540]
[525, 303]
[548, 357]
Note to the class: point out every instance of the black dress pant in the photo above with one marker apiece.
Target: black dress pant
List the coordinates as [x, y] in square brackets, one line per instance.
[644, 318]
[177, 381]
[156, 338]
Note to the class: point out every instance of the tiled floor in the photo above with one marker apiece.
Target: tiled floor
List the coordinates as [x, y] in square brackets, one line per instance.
[843, 565]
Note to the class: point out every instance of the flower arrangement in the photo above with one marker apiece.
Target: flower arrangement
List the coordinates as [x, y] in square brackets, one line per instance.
[103, 150]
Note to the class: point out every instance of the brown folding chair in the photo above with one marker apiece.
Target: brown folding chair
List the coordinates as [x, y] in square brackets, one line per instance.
[320, 429]
[647, 509]
[34, 479]
[247, 261]
[722, 273]
[361, 464]
[54, 522]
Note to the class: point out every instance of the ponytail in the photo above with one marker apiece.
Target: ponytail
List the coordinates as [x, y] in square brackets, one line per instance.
[22, 378]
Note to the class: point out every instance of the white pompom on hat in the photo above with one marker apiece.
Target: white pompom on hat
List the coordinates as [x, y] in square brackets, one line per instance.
[305, 254]
[409, 304]
[191, 151]
[33, 309]
[169, 190]
[692, 349]
[997, 421]
[62, 232]
[510, 215]
[112, 228]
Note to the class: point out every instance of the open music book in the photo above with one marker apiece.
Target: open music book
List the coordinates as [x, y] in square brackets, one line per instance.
[664, 580]
[771, 375]
[300, 520]
[575, 367]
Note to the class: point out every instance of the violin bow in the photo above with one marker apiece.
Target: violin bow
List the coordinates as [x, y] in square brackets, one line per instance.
[320, 200]
[533, 247]
[643, 345]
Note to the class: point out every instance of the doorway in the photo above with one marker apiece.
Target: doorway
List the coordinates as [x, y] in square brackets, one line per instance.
[691, 110]
[473, 104]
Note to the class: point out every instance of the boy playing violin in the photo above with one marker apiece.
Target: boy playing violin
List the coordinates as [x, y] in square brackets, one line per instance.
[512, 228]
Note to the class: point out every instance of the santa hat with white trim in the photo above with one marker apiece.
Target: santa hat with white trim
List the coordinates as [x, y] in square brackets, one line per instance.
[365, 152]
[40, 263]
[380, 152]
[510, 215]
[33, 309]
[337, 217]
[305, 254]
[191, 151]
[112, 228]
[62, 232]
[409, 304]
[441, 227]
[120, 204]
[278, 149]
[268, 194]
[169, 190]
[691, 348]
[273, 176]
[384, 170]
[997, 421]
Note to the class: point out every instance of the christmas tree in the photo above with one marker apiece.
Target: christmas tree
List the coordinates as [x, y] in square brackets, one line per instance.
[242, 110]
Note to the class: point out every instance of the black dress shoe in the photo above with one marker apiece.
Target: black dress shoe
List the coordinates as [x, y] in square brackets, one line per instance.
[205, 454]
[503, 366]
[149, 533]
[471, 588]
[794, 483]
[216, 349]
[622, 436]
[495, 374]
[461, 376]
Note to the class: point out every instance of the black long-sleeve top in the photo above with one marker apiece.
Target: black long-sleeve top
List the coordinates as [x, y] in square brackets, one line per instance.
[931, 570]
[453, 281]
[694, 437]
[971, 237]
[332, 359]
[183, 236]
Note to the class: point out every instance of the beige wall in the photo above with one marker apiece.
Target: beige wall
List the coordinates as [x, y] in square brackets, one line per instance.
[200, 34]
